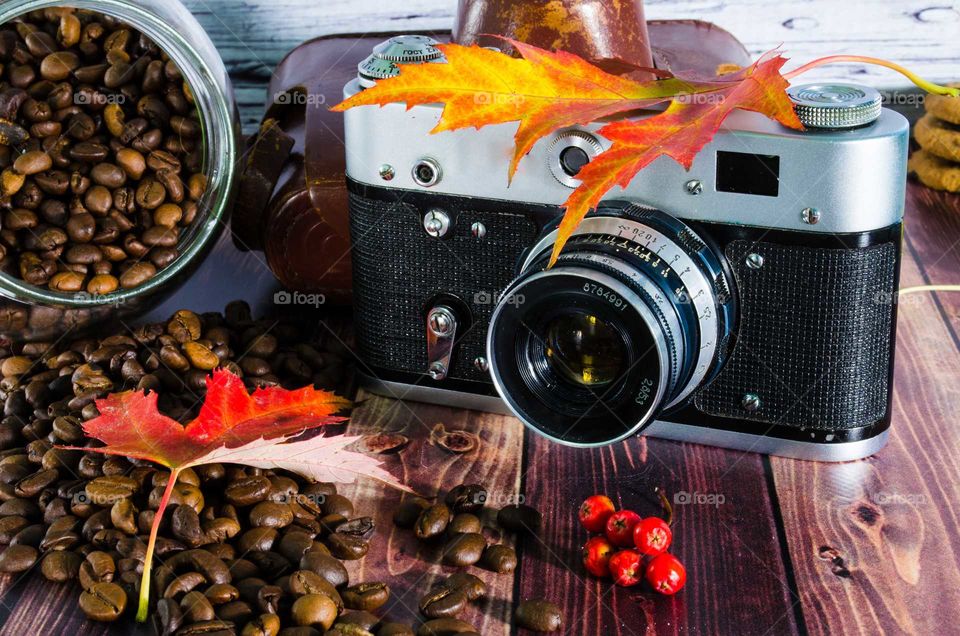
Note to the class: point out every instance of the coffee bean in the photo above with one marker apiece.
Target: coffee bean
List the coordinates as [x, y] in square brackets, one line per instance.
[315, 610]
[108, 175]
[464, 522]
[466, 498]
[97, 567]
[202, 358]
[335, 504]
[366, 596]
[248, 490]
[347, 547]
[260, 539]
[539, 616]
[17, 558]
[196, 607]
[306, 582]
[220, 627]
[472, 586]
[103, 602]
[60, 566]
[432, 522]
[57, 66]
[361, 528]
[270, 514]
[501, 559]
[104, 491]
[326, 566]
[464, 549]
[11, 182]
[98, 200]
[263, 625]
[442, 602]
[66, 282]
[168, 215]
[445, 627]
[137, 275]
[33, 162]
[395, 629]
[103, 284]
[520, 518]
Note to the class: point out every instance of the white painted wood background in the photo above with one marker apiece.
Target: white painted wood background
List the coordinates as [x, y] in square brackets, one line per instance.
[924, 35]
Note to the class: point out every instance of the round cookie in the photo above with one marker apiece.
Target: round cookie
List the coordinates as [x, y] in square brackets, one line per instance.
[944, 107]
[935, 172]
[938, 137]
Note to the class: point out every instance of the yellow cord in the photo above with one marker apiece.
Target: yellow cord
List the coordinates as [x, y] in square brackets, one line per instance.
[929, 288]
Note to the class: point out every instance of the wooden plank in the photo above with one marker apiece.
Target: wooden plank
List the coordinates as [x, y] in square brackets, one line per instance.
[396, 556]
[738, 581]
[874, 542]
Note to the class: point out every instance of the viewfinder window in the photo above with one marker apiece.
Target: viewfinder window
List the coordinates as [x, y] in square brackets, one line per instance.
[743, 173]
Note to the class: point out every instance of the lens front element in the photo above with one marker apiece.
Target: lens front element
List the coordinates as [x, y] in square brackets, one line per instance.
[584, 350]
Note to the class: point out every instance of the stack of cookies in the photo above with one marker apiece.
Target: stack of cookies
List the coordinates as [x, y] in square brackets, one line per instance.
[937, 162]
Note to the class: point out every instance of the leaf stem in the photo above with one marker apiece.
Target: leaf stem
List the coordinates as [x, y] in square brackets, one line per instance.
[929, 87]
[144, 606]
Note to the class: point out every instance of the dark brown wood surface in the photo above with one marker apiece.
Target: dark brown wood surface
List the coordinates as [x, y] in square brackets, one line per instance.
[790, 547]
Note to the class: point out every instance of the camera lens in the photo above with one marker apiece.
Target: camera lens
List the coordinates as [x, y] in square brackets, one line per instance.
[573, 159]
[633, 318]
[583, 349]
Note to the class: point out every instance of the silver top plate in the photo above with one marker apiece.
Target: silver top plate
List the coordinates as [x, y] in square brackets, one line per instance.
[855, 179]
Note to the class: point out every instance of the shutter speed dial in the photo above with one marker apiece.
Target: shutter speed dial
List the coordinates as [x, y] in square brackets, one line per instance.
[388, 56]
[836, 106]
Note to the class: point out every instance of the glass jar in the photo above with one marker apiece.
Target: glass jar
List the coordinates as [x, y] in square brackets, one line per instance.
[32, 313]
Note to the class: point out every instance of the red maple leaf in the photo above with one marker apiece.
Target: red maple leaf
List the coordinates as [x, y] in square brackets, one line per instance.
[233, 426]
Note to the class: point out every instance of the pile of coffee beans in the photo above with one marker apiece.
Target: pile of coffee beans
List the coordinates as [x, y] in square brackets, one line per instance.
[101, 153]
[457, 524]
[240, 550]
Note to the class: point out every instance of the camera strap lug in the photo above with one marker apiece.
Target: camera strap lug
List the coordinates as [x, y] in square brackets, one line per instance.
[441, 334]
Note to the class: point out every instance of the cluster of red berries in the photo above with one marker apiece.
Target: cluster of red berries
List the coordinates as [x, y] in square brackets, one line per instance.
[624, 539]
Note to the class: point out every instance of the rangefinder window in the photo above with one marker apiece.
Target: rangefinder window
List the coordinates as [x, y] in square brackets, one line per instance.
[743, 173]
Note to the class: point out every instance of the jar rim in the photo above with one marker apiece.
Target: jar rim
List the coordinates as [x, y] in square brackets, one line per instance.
[217, 113]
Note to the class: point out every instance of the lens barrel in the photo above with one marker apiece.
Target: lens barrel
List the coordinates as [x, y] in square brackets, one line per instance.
[634, 317]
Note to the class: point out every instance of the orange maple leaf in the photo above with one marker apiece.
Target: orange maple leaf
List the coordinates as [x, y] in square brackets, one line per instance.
[680, 132]
[548, 91]
[545, 91]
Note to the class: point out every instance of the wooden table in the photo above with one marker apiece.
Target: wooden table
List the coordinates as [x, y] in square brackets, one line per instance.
[786, 546]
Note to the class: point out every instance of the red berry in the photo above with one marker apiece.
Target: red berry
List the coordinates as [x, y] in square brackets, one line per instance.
[620, 528]
[596, 556]
[665, 573]
[595, 511]
[652, 536]
[626, 568]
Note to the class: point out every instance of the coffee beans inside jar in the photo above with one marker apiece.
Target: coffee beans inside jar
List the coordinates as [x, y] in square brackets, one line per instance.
[101, 153]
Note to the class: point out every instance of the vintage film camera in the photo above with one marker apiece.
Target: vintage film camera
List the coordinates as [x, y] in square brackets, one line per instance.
[747, 303]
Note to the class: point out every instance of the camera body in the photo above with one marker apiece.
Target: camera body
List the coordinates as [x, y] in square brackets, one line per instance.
[748, 303]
